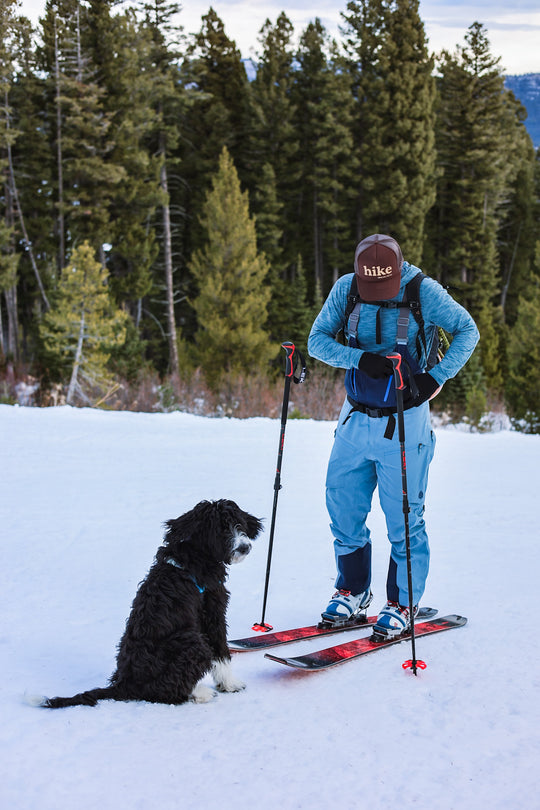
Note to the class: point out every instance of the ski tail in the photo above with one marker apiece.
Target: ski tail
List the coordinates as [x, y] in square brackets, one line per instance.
[89, 698]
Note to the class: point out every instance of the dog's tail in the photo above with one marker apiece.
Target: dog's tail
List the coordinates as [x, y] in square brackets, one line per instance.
[89, 698]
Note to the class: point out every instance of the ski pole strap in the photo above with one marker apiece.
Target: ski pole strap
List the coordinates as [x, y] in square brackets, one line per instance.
[294, 360]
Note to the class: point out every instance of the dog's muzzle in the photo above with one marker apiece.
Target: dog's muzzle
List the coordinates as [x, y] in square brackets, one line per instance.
[241, 547]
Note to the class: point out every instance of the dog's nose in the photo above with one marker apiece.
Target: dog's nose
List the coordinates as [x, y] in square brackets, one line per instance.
[243, 549]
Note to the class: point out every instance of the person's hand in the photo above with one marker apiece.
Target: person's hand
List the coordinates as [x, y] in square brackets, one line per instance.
[376, 365]
[426, 385]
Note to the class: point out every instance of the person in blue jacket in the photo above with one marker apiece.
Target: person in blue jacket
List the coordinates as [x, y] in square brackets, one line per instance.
[366, 452]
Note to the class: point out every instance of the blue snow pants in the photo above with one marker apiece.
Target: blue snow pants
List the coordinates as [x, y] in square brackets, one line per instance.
[361, 460]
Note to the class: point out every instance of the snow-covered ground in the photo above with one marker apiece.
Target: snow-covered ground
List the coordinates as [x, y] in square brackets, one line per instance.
[84, 494]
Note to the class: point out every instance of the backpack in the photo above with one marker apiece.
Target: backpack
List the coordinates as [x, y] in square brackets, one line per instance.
[377, 397]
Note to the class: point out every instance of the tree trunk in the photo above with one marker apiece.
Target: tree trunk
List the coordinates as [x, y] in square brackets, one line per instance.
[10, 340]
[508, 276]
[12, 347]
[317, 252]
[167, 249]
[61, 229]
[73, 383]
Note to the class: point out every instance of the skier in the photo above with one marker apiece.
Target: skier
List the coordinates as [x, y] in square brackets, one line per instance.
[366, 450]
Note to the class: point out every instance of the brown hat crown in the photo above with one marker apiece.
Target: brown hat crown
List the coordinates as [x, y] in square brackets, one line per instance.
[377, 263]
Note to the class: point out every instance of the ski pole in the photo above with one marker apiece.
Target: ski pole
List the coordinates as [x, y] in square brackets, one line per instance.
[290, 350]
[400, 385]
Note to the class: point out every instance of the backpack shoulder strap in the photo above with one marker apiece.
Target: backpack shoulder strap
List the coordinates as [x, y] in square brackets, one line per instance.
[412, 295]
[352, 299]
[352, 310]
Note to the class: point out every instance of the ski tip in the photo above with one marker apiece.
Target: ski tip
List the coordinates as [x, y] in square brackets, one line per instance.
[454, 618]
[426, 613]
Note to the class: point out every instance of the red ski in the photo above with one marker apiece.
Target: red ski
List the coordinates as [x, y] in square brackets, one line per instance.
[322, 659]
[268, 640]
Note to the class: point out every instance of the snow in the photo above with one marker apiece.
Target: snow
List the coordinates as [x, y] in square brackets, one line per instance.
[85, 494]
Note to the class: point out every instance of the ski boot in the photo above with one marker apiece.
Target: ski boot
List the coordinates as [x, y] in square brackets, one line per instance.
[394, 620]
[344, 609]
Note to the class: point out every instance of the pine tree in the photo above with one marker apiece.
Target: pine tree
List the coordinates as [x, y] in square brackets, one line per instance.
[470, 147]
[473, 153]
[324, 117]
[392, 80]
[301, 314]
[14, 234]
[230, 274]
[9, 324]
[83, 325]
[220, 113]
[268, 225]
[122, 51]
[523, 380]
[86, 176]
[363, 30]
[167, 100]
[519, 226]
[276, 146]
[32, 179]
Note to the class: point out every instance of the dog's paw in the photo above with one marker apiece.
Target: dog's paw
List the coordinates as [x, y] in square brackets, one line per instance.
[202, 694]
[231, 685]
[224, 680]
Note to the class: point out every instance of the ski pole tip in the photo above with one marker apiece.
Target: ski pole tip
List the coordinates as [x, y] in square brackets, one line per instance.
[262, 627]
[414, 665]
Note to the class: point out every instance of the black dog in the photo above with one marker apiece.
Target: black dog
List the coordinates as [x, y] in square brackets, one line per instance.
[176, 632]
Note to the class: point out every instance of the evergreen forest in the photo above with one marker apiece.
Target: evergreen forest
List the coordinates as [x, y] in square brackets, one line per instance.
[169, 219]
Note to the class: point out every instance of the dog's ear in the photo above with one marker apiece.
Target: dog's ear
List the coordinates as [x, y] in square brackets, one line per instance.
[182, 528]
[173, 530]
[191, 525]
[253, 526]
[231, 513]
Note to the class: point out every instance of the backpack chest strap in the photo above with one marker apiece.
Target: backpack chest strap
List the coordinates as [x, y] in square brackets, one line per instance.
[402, 322]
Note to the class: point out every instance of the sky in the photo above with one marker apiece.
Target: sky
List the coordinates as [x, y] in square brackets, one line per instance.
[513, 28]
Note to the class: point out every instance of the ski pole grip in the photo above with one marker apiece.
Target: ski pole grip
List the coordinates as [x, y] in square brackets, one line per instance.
[289, 361]
[398, 376]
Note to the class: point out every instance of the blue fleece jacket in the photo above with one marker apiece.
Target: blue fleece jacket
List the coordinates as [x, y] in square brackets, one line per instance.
[438, 309]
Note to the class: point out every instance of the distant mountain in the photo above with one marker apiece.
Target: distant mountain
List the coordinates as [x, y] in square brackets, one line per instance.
[527, 89]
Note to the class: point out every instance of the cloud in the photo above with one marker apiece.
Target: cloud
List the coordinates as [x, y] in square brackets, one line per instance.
[491, 25]
[481, 6]
[512, 25]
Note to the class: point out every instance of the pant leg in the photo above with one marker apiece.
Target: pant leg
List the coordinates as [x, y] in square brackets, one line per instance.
[419, 448]
[350, 483]
[354, 570]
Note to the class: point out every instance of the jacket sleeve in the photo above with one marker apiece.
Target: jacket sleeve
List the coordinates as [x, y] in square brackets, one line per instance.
[440, 309]
[322, 343]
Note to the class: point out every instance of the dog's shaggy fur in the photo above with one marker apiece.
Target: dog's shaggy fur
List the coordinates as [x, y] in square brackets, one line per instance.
[176, 632]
